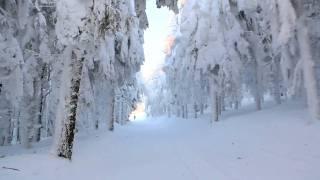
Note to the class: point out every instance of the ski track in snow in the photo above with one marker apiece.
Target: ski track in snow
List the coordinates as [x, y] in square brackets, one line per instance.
[278, 143]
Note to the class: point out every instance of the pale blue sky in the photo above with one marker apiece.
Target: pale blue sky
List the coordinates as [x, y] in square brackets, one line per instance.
[155, 38]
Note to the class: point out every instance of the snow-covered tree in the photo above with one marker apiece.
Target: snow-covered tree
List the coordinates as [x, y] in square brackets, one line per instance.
[266, 47]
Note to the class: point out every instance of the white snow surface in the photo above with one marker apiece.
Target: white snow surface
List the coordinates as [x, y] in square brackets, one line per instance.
[278, 143]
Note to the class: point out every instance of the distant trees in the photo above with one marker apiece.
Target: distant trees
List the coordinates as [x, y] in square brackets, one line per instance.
[206, 58]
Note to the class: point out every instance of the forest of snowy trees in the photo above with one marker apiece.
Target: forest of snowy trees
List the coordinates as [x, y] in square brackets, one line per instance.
[67, 61]
[70, 65]
[223, 50]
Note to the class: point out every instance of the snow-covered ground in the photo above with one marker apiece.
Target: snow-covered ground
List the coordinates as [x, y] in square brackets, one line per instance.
[278, 143]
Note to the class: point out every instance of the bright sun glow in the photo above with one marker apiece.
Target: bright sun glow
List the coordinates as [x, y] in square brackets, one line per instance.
[157, 42]
[182, 2]
[138, 113]
[157, 45]
[168, 44]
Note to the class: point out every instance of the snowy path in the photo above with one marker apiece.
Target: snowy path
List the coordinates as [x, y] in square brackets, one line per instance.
[278, 143]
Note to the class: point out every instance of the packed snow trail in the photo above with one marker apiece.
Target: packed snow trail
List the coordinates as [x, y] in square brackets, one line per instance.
[278, 143]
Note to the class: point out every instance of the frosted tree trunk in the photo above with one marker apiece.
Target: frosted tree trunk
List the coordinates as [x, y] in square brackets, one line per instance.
[183, 112]
[41, 95]
[68, 129]
[195, 107]
[123, 112]
[113, 113]
[257, 86]
[236, 105]
[186, 111]
[215, 107]
[27, 116]
[201, 108]
[178, 110]
[214, 88]
[257, 99]
[310, 78]
[276, 80]
[219, 102]
[5, 117]
[116, 110]
[37, 110]
[120, 111]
